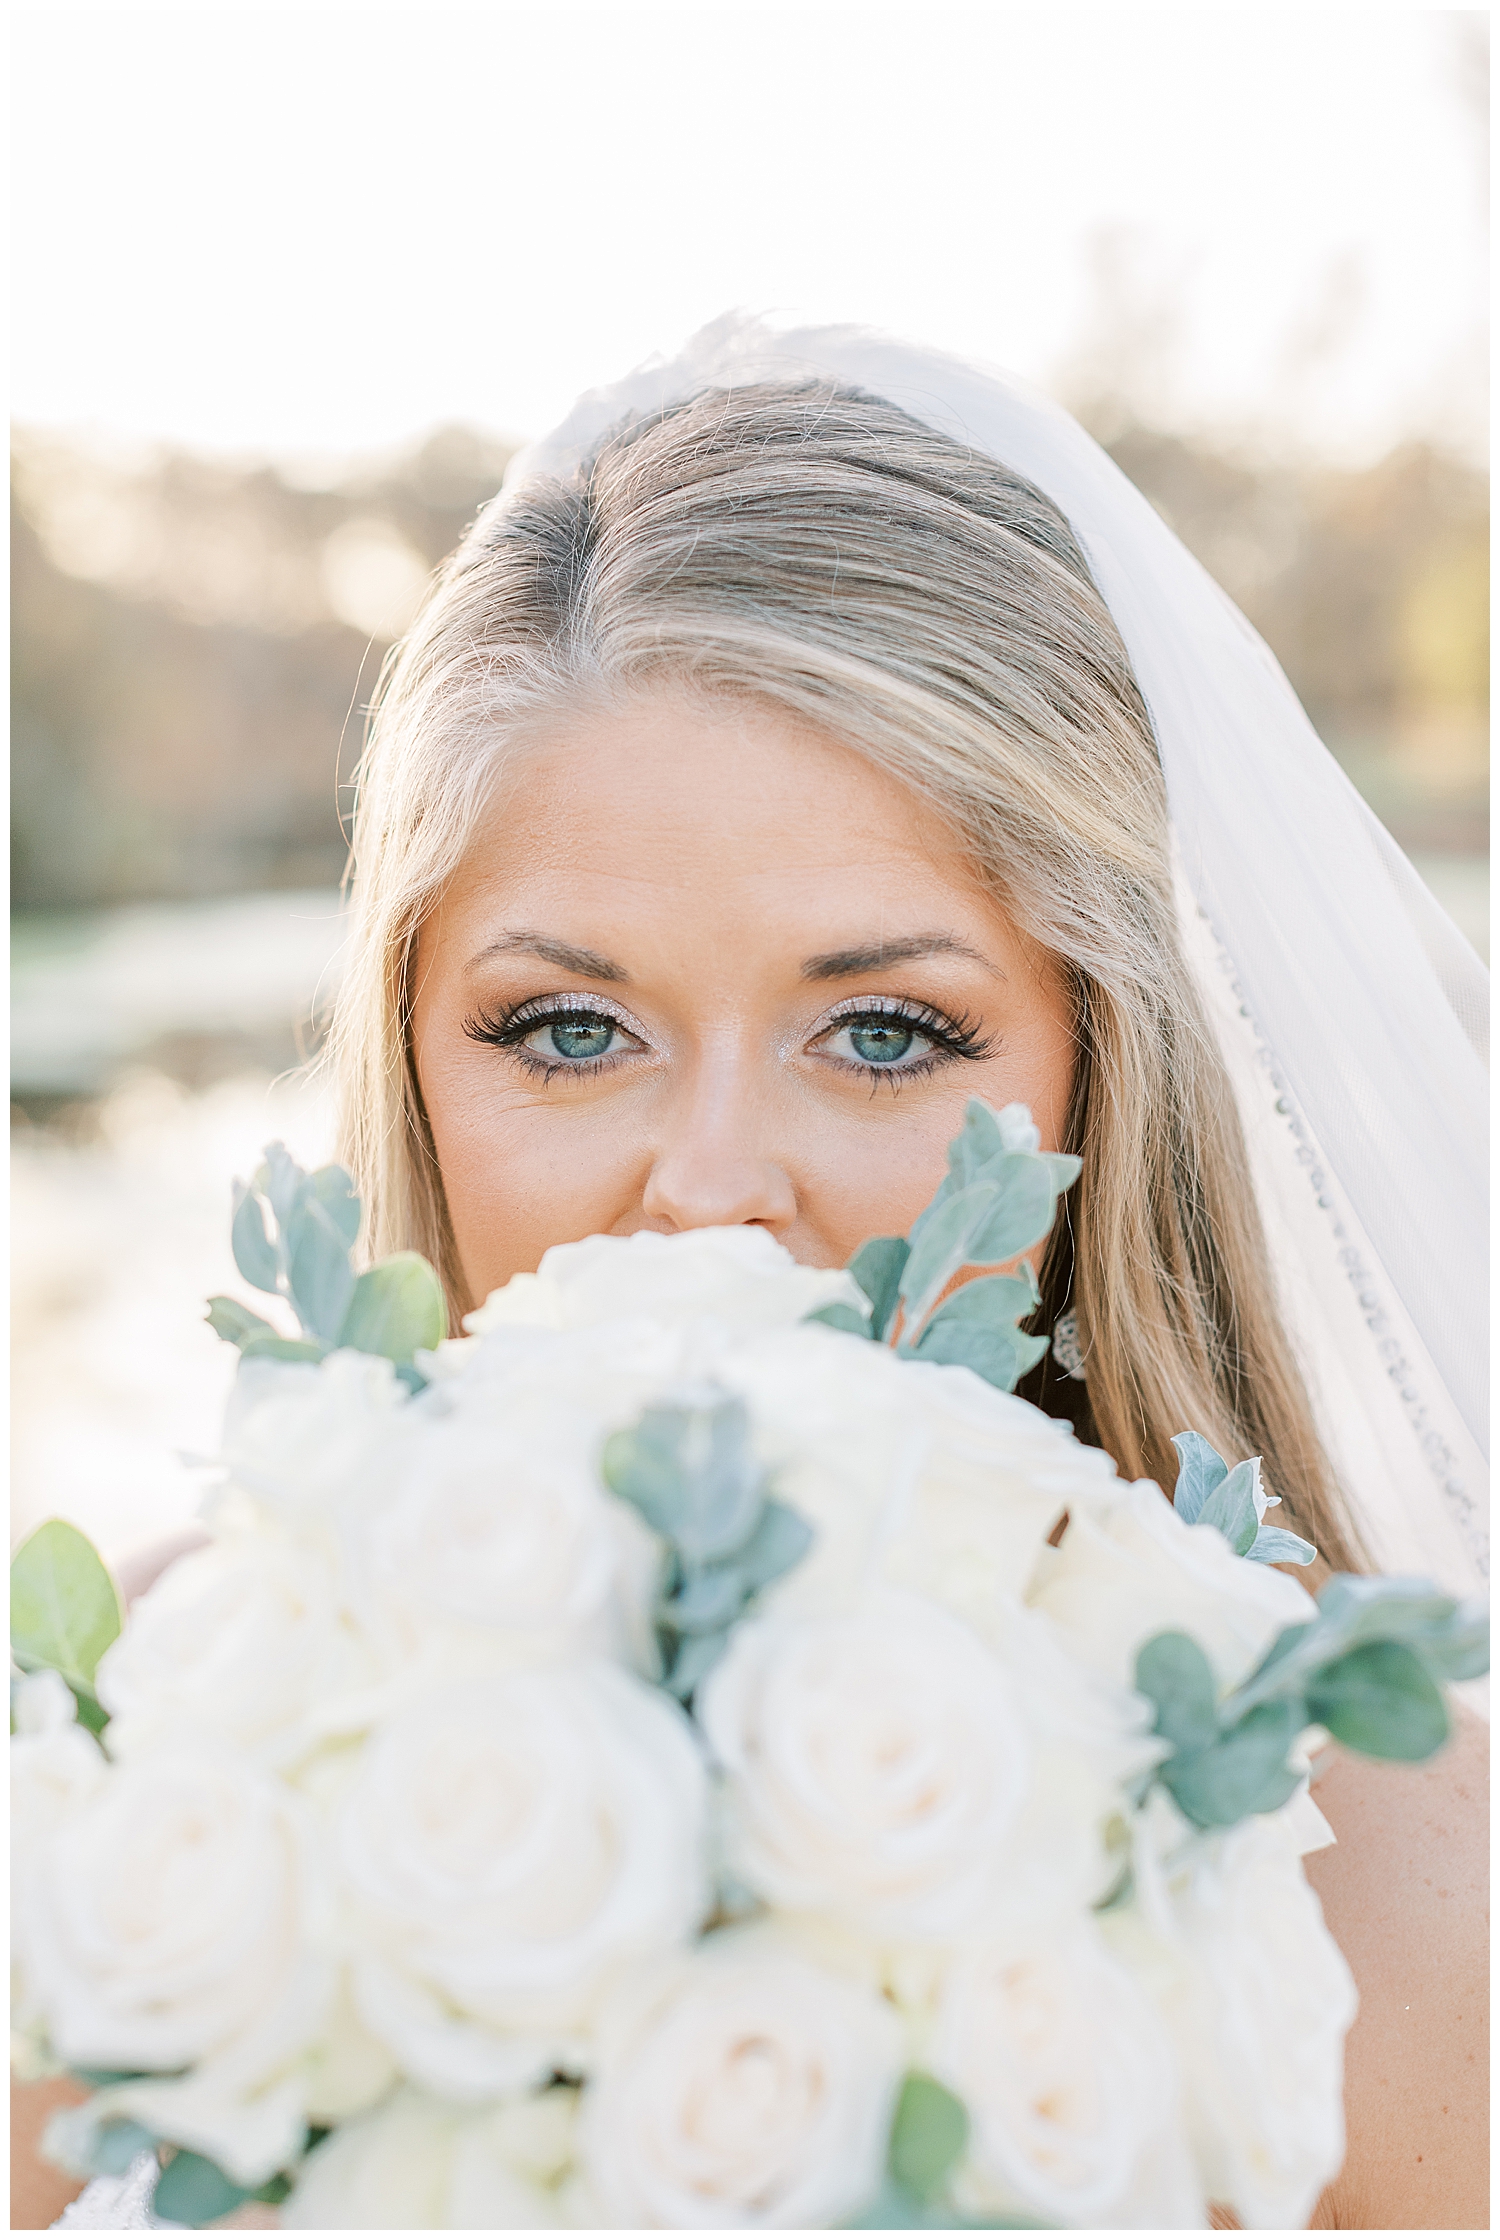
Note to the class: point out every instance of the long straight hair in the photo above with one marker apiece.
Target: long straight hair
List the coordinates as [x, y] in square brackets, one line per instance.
[811, 547]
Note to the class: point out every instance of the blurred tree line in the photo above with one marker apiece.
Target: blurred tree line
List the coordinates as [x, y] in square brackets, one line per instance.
[195, 641]
[194, 644]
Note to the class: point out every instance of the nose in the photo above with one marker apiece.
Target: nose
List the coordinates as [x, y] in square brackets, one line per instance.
[710, 1176]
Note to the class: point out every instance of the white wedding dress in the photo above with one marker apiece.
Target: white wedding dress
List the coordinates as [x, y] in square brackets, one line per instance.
[1350, 1010]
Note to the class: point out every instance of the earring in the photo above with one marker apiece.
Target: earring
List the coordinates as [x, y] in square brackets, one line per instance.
[1066, 1350]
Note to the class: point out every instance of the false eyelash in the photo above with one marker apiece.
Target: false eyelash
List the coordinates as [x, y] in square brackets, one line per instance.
[508, 1031]
[959, 1037]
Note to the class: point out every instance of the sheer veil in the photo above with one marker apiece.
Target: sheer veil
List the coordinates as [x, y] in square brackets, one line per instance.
[1350, 1010]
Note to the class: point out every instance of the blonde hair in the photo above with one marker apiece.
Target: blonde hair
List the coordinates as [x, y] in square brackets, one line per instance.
[815, 548]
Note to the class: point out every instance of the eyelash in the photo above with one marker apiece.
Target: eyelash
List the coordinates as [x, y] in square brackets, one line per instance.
[959, 1037]
[510, 1029]
[950, 1037]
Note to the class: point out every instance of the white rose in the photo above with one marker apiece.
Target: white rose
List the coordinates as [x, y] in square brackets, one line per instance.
[417, 2164]
[878, 1769]
[1129, 1568]
[1070, 2085]
[740, 1277]
[348, 2069]
[41, 1703]
[919, 1474]
[304, 1439]
[55, 1766]
[997, 1477]
[1229, 1941]
[508, 1845]
[743, 2088]
[499, 1543]
[173, 1920]
[243, 1643]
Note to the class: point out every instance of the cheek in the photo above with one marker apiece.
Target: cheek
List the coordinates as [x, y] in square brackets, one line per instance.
[518, 1177]
[869, 1167]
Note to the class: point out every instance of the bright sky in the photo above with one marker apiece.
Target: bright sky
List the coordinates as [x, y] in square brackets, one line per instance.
[326, 230]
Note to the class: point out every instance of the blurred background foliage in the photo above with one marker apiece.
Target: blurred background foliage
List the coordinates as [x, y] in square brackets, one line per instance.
[196, 641]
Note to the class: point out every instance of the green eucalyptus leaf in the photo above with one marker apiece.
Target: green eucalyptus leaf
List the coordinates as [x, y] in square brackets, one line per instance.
[721, 1516]
[98, 2080]
[896, 2209]
[1450, 1637]
[65, 1609]
[257, 1348]
[640, 1465]
[1353, 1610]
[708, 1600]
[1064, 1167]
[1021, 1213]
[980, 1146]
[941, 1242]
[1172, 1672]
[1381, 1701]
[893, 2209]
[1459, 1647]
[1383, 1609]
[333, 1188]
[194, 2191]
[1001, 1357]
[929, 2132]
[1289, 1638]
[841, 1316]
[977, 1145]
[696, 1656]
[319, 1276]
[727, 1485]
[91, 1712]
[254, 1254]
[116, 2145]
[877, 1268]
[1231, 1507]
[970, 1152]
[780, 1540]
[1244, 1772]
[282, 1181]
[396, 1308]
[1274, 1545]
[1000, 1302]
[1199, 1472]
[693, 1476]
[229, 1320]
[994, 1202]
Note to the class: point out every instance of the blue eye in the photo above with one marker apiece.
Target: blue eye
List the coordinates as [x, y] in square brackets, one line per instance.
[881, 1043]
[877, 1040]
[573, 1040]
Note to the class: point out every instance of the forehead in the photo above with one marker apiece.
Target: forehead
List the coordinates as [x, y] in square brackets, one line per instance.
[702, 800]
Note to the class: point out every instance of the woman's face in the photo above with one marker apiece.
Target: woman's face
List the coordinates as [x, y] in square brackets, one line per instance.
[705, 966]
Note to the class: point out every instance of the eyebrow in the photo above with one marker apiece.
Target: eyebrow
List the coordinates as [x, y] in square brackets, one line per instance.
[870, 956]
[589, 964]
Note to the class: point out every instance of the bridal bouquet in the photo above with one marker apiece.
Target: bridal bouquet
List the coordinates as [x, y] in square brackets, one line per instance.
[695, 1752]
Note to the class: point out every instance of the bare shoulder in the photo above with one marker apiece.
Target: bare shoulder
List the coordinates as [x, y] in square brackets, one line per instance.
[1405, 1892]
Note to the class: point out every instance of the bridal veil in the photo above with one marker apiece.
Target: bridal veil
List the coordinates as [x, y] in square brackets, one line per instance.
[1350, 1010]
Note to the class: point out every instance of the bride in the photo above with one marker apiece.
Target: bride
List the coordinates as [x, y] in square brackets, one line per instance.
[815, 733]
